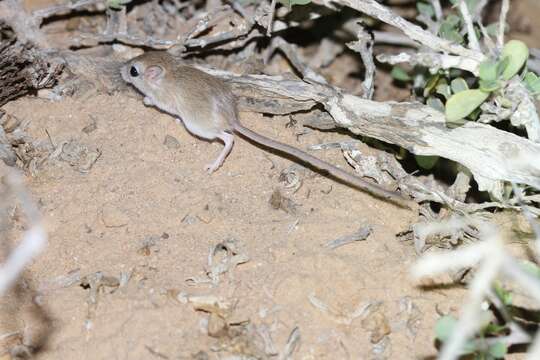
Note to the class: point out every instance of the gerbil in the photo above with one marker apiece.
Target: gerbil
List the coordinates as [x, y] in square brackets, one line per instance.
[207, 107]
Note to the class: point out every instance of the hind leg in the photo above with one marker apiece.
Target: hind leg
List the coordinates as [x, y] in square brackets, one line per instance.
[228, 140]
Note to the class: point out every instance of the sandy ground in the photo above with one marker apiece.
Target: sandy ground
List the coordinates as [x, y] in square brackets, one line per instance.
[146, 208]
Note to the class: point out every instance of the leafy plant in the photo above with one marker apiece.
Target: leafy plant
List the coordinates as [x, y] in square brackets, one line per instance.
[462, 104]
[517, 54]
[426, 162]
[450, 29]
[291, 3]
[117, 4]
[492, 76]
[480, 348]
[400, 74]
[425, 9]
[532, 82]
[471, 4]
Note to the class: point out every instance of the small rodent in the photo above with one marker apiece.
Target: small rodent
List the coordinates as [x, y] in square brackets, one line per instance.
[207, 107]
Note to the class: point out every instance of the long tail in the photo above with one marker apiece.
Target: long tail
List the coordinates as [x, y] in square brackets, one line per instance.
[332, 170]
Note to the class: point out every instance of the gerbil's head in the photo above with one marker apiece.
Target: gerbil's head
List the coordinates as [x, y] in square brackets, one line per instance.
[148, 71]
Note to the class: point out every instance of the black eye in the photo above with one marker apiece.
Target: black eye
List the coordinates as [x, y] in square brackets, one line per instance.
[133, 71]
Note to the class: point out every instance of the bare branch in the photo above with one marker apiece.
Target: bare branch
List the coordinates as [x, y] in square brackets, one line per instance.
[385, 37]
[431, 60]
[502, 22]
[271, 19]
[471, 33]
[62, 9]
[34, 240]
[438, 9]
[374, 9]
[364, 46]
[292, 53]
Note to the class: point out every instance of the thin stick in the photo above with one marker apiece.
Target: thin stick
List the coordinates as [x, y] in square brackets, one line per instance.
[438, 9]
[364, 46]
[61, 9]
[471, 33]
[502, 22]
[271, 20]
[34, 240]
[415, 32]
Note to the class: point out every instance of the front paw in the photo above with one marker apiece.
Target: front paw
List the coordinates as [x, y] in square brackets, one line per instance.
[147, 101]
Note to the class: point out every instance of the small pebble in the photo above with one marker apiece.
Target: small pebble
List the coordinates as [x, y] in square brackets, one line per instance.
[171, 142]
[113, 217]
[89, 128]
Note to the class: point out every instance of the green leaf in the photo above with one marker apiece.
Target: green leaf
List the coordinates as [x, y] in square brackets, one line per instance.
[488, 70]
[291, 3]
[454, 73]
[475, 114]
[459, 85]
[450, 29]
[518, 53]
[489, 86]
[498, 350]
[444, 90]
[530, 77]
[400, 74]
[426, 162]
[117, 4]
[532, 82]
[471, 4]
[425, 9]
[463, 103]
[435, 103]
[534, 88]
[431, 84]
[506, 102]
[444, 327]
[531, 268]
[493, 329]
[493, 29]
[453, 20]
[450, 32]
[504, 295]
[502, 65]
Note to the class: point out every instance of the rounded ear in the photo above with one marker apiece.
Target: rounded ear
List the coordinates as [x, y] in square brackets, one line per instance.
[153, 72]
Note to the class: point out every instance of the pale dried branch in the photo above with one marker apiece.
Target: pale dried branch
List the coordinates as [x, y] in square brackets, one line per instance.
[453, 198]
[471, 32]
[431, 60]
[364, 46]
[293, 54]
[34, 239]
[62, 9]
[271, 20]
[25, 26]
[505, 8]
[385, 37]
[479, 9]
[438, 9]
[415, 32]
[116, 31]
